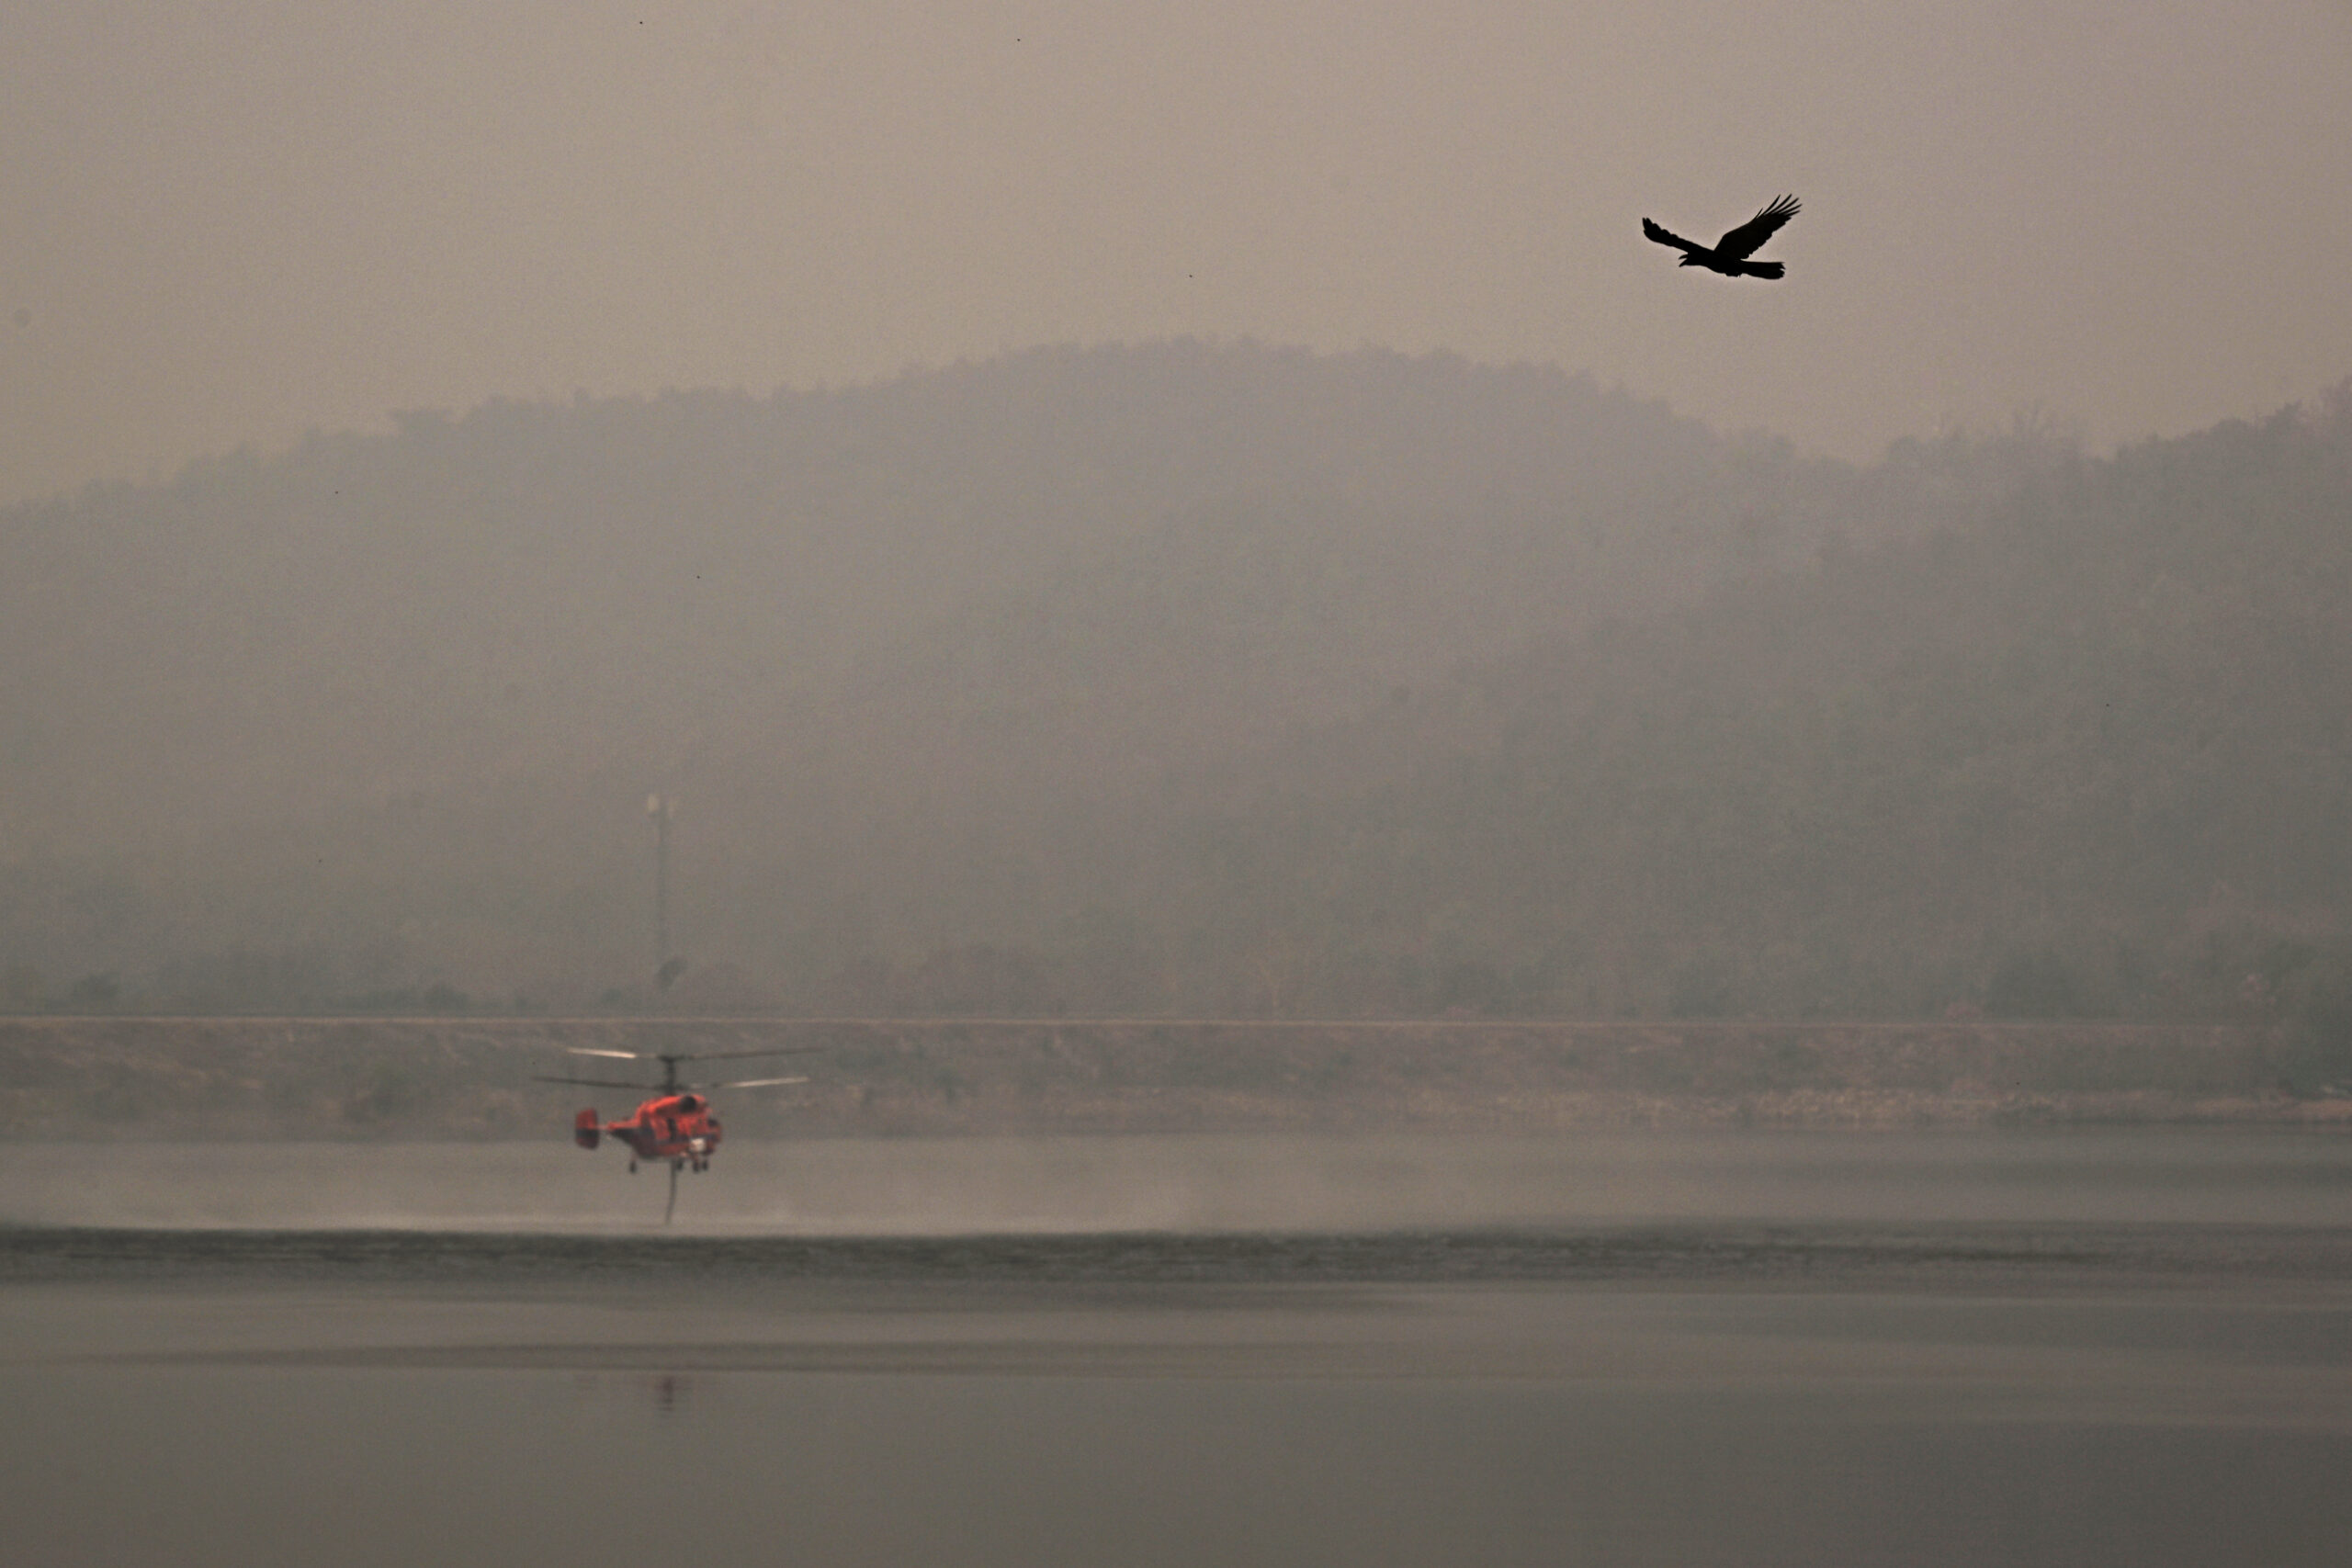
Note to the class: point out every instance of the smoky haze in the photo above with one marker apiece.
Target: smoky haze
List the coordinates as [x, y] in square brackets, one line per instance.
[919, 660]
[1451, 894]
[1207, 664]
[233, 224]
[1195, 679]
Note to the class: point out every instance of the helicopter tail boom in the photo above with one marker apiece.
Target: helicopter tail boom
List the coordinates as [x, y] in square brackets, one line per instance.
[586, 1130]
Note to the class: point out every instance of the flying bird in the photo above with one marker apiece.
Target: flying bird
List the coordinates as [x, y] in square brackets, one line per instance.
[1731, 252]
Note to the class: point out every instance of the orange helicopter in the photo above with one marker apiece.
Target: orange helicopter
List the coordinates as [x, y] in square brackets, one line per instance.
[677, 1124]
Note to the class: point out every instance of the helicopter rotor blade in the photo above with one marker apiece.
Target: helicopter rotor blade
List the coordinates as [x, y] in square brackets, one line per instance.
[755, 1083]
[599, 1050]
[597, 1083]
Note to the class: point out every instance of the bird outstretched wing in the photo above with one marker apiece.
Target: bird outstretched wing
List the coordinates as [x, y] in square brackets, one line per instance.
[1664, 238]
[1749, 236]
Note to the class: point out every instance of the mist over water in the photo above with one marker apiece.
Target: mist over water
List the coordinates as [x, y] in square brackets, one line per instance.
[952, 1186]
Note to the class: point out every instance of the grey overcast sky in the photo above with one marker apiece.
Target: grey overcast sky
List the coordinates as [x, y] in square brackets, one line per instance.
[228, 222]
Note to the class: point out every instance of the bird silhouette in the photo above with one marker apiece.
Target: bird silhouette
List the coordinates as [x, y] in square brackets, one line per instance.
[1730, 254]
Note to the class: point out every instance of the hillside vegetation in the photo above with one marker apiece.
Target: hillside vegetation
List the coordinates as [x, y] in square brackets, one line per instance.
[1200, 678]
[2089, 753]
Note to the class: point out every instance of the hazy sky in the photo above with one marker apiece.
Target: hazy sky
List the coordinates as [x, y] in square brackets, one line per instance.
[228, 222]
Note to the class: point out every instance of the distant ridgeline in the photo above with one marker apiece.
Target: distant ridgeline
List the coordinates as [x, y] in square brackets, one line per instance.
[1189, 678]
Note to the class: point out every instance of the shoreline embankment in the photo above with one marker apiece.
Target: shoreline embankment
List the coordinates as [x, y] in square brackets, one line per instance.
[476, 1076]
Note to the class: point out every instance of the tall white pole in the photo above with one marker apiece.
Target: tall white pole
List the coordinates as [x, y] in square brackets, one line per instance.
[658, 807]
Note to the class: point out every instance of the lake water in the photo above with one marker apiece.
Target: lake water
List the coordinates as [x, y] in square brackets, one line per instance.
[2081, 1348]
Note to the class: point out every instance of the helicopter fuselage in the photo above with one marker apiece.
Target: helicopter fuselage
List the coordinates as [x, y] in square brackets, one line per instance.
[680, 1128]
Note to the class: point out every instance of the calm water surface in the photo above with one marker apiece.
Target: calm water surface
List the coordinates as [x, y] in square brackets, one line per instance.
[2116, 1348]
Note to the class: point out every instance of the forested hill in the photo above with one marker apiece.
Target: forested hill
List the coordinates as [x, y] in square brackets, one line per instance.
[614, 583]
[1185, 677]
[2090, 753]
[403, 693]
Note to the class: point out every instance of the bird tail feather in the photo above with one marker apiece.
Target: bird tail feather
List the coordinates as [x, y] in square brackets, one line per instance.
[1761, 269]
